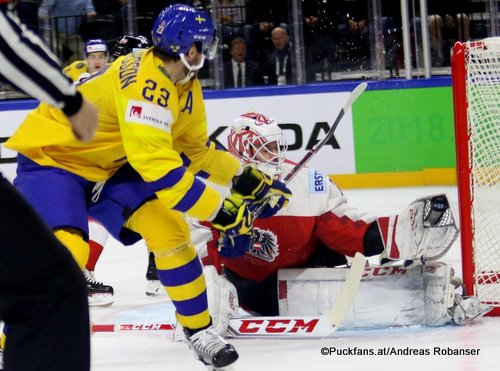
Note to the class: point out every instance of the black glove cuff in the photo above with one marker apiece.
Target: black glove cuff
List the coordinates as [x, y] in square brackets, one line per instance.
[224, 217]
[72, 104]
[245, 184]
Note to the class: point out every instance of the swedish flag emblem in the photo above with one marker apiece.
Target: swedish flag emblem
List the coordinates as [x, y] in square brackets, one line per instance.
[200, 19]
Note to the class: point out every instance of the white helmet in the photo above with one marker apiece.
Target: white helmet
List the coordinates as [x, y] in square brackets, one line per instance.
[257, 139]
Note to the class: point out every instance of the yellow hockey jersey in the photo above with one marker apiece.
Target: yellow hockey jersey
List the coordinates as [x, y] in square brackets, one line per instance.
[159, 128]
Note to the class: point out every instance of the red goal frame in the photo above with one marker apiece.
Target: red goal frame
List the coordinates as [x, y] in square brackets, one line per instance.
[463, 167]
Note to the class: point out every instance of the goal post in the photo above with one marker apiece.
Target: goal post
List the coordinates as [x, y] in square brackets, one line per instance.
[476, 101]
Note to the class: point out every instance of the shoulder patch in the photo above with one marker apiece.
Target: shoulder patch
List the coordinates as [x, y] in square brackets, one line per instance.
[80, 65]
[145, 113]
[317, 182]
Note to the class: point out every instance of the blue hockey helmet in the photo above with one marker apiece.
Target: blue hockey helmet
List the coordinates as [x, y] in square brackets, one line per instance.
[93, 46]
[179, 26]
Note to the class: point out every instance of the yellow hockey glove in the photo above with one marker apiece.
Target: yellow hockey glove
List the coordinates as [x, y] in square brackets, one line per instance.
[233, 217]
[254, 185]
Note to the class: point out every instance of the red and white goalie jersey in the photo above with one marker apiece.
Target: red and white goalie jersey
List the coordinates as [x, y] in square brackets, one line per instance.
[317, 210]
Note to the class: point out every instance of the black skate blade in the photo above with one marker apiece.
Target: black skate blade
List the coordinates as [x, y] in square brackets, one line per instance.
[227, 368]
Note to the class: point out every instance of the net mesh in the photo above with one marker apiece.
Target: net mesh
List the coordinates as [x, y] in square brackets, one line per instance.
[483, 95]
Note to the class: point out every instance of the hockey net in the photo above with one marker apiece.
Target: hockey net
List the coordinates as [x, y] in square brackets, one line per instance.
[476, 96]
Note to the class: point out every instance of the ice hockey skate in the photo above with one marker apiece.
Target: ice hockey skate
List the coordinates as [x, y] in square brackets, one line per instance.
[99, 294]
[211, 349]
[154, 286]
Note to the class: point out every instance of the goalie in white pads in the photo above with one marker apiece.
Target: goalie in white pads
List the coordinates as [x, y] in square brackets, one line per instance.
[318, 228]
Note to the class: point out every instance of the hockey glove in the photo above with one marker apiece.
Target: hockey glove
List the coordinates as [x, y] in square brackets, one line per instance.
[272, 206]
[233, 217]
[254, 185]
[234, 246]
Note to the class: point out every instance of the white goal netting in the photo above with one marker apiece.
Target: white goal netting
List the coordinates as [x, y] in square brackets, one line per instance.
[482, 61]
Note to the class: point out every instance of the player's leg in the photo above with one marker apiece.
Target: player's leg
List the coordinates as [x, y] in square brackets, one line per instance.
[166, 234]
[259, 298]
[110, 208]
[61, 199]
[323, 256]
[129, 210]
[43, 294]
[99, 293]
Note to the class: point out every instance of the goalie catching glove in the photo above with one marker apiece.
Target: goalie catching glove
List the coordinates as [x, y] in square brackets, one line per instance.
[233, 218]
[426, 229]
[256, 187]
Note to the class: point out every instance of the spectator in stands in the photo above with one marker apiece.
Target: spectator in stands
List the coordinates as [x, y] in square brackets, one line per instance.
[231, 17]
[278, 68]
[319, 28]
[108, 6]
[240, 72]
[67, 16]
[264, 17]
[108, 22]
[148, 10]
[354, 40]
[448, 23]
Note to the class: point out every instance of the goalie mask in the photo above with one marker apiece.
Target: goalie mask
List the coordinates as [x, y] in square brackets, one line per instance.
[257, 139]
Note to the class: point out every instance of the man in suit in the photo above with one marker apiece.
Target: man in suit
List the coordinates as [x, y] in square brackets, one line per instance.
[240, 72]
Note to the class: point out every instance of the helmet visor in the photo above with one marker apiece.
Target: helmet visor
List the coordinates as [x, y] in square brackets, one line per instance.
[209, 49]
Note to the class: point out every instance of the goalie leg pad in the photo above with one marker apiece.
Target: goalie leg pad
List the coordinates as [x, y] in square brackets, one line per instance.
[439, 293]
[425, 229]
[222, 299]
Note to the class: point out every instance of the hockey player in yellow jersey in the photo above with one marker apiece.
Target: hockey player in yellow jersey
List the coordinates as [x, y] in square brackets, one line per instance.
[152, 120]
[96, 57]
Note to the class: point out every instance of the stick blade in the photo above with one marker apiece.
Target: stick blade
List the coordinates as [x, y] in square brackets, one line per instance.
[342, 306]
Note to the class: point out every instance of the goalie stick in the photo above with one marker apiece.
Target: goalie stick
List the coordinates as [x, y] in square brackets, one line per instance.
[276, 327]
[311, 327]
[358, 90]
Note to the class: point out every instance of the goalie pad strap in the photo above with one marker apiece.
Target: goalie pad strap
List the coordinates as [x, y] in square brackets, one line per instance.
[439, 293]
[386, 227]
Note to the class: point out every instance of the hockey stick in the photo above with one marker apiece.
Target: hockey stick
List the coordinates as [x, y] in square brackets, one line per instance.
[345, 298]
[310, 327]
[275, 327]
[358, 90]
[113, 327]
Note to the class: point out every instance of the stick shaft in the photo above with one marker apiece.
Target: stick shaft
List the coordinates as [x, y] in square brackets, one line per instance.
[119, 327]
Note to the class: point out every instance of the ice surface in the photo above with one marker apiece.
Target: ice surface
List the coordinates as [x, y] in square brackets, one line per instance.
[125, 267]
